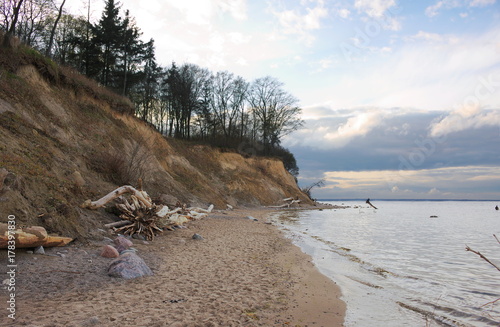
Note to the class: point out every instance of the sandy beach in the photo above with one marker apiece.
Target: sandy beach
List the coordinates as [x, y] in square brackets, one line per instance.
[243, 273]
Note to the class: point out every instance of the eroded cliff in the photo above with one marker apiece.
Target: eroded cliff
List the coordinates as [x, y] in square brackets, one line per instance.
[64, 141]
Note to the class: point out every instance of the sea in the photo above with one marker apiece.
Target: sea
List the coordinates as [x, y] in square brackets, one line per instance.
[405, 263]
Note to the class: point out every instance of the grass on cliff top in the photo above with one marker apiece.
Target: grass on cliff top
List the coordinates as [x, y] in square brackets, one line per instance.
[11, 59]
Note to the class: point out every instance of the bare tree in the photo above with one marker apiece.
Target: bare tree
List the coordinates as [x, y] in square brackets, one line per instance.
[276, 110]
[307, 190]
[34, 18]
[53, 31]
[11, 15]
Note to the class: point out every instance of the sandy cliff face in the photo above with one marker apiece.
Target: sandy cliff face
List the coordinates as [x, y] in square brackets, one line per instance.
[61, 145]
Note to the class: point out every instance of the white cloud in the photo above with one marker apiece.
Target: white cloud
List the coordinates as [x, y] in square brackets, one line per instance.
[296, 22]
[374, 8]
[237, 8]
[344, 13]
[202, 12]
[434, 9]
[239, 38]
[465, 118]
[435, 37]
[481, 3]
[434, 191]
[428, 71]
[440, 183]
[324, 134]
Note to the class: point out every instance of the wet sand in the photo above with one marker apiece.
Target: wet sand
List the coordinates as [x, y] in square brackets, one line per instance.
[243, 273]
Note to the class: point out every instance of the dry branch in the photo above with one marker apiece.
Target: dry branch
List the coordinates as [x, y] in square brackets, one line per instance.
[141, 216]
[117, 224]
[467, 248]
[289, 202]
[141, 196]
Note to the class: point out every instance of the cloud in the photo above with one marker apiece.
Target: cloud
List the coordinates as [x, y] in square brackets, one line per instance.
[237, 8]
[414, 72]
[298, 22]
[343, 13]
[397, 140]
[467, 182]
[467, 117]
[374, 8]
[481, 3]
[202, 12]
[336, 131]
[434, 9]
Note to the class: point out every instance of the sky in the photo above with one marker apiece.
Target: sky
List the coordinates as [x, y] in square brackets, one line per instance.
[401, 99]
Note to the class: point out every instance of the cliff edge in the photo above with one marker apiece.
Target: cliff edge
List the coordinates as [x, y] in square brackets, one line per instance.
[65, 139]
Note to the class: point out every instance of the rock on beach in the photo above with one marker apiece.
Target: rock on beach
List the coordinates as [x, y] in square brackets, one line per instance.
[129, 266]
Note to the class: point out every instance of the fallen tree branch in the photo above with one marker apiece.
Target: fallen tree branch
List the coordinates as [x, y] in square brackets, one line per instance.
[467, 248]
[141, 196]
[117, 224]
[491, 302]
[496, 238]
[289, 201]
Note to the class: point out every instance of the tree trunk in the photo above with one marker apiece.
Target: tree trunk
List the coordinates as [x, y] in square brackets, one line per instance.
[51, 40]
[7, 42]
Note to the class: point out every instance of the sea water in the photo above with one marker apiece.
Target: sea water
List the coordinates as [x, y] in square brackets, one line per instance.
[405, 263]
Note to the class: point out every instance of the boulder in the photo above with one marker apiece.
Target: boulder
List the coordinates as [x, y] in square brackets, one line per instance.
[128, 266]
[109, 251]
[122, 243]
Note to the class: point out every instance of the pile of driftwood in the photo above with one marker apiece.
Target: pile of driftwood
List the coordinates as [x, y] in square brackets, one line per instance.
[143, 217]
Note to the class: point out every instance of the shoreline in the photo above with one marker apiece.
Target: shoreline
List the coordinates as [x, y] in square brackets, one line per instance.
[243, 273]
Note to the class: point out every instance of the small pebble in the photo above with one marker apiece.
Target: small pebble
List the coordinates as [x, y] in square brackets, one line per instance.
[197, 237]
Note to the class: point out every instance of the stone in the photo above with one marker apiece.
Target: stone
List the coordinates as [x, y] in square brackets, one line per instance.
[128, 266]
[252, 218]
[197, 237]
[39, 250]
[122, 243]
[92, 321]
[109, 251]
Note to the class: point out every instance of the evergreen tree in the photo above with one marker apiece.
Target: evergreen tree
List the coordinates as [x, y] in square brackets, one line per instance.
[108, 37]
[131, 55]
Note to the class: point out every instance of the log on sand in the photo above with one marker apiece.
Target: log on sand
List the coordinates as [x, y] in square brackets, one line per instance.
[30, 237]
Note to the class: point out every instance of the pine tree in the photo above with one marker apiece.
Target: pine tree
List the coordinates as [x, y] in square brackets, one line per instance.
[108, 37]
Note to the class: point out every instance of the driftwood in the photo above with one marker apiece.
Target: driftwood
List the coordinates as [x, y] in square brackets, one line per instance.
[289, 202]
[30, 237]
[467, 248]
[141, 216]
[141, 196]
[117, 224]
[371, 205]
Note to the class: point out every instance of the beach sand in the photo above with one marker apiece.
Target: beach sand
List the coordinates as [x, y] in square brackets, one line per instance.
[243, 273]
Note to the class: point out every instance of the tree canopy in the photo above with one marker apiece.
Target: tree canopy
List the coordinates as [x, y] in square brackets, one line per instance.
[183, 101]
